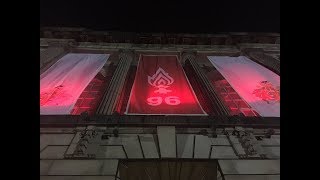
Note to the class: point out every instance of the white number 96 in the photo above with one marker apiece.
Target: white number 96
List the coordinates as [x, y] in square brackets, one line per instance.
[154, 101]
[170, 100]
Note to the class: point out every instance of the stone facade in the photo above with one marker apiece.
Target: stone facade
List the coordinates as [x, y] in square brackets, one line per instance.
[57, 145]
[94, 151]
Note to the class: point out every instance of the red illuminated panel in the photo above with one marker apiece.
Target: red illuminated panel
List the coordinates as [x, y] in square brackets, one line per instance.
[91, 96]
[232, 100]
[161, 88]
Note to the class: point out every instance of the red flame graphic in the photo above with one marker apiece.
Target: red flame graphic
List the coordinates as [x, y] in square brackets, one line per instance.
[161, 80]
[267, 92]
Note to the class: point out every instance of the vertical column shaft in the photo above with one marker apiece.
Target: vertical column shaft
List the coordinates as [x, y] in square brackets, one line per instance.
[219, 108]
[117, 82]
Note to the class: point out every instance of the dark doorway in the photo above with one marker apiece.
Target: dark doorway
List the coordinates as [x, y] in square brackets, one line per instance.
[168, 169]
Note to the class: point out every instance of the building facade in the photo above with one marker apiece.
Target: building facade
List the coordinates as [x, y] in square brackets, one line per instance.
[98, 140]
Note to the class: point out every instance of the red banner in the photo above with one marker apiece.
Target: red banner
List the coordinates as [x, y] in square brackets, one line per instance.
[161, 88]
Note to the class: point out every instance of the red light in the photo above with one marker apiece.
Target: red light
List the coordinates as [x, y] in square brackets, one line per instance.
[161, 87]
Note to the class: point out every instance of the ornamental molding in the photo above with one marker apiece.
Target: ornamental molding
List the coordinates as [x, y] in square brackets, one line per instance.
[85, 35]
[265, 47]
[44, 42]
[159, 47]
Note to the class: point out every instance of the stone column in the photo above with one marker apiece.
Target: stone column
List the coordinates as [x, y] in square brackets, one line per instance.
[117, 83]
[219, 108]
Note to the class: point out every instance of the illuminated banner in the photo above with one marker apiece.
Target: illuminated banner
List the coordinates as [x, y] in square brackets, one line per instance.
[257, 85]
[161, 88]
[62, 84]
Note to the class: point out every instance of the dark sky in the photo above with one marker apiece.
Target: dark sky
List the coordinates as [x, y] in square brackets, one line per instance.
[164, 16]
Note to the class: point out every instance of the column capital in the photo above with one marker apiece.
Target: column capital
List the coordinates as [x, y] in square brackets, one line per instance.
[188, 55]
[126, 53]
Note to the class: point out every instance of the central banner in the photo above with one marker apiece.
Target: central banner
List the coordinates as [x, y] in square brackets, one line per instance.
[161, 88]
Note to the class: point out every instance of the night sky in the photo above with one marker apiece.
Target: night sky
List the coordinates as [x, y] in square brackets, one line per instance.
[164, 16]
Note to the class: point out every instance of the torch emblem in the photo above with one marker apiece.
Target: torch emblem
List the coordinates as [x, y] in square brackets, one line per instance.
[161, 80]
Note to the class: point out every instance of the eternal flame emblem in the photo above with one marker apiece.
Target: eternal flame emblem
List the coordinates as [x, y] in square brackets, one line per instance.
[161, 80]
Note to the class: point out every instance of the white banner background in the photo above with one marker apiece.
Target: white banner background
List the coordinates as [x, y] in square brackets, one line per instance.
[244, 76]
